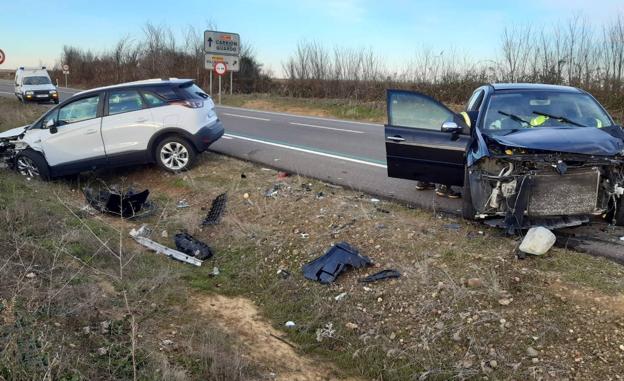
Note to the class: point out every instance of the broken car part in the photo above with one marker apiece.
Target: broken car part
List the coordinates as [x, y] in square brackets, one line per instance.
[141, 235]
[216, 210]
[326, 268]
[381, 275]
[537, 241]
[129, 204]
[192, 246]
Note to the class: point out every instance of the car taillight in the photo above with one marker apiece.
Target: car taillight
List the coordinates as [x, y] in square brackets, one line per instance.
[190, 103]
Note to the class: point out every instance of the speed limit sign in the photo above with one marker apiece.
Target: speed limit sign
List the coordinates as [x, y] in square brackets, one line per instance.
[220, 68]
[2, 57]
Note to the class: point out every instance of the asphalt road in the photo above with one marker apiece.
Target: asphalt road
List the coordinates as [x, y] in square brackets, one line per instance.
[351, 154]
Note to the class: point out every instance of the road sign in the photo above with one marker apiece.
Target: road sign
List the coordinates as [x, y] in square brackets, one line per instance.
[221, 43]
[65, 67]
[232, 63]
[220, 69]
[2, 56]
[65, 72]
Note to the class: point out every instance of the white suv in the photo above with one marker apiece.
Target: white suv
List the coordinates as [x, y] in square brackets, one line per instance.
[164, 121]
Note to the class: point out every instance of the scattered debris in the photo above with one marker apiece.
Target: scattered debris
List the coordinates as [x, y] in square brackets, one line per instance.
[272, 192]
[375, 200]
[102, 351]
[381, 275]
[326, 332]
[621, 238]
[505, 301]
[31, 275]
[326, 268]
[215, 271]
[282, 175]
[164, 234]
[166, 342]
[192, 246]
[141, 235]
[246, 196]
[105, 327]
[283, 273]
[127, 204]
[290, 324]
[340, 296]
[243, 176]
[182, 204]
[304, 235]
[537, 241]
[216, 210]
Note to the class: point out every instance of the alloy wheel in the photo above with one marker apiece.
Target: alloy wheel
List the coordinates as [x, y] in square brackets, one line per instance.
[27, 167]
[174, 156]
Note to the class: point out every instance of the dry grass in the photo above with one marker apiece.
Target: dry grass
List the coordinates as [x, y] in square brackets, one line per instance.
[428, 324]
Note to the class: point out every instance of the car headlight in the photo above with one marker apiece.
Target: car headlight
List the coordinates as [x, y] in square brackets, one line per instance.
[52, 91]
[29, 92]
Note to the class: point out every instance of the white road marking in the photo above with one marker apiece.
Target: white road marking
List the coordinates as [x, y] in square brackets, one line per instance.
[305, 150]
[246, 117]
[6, 92]
[227, 137]
[326, 128]
[300, 116]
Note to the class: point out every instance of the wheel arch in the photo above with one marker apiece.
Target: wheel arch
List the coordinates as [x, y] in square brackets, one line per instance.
[166, 132]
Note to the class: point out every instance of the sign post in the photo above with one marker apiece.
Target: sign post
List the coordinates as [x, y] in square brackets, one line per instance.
[222, 48]
[66, 72]
[220, 69]
[2, 57]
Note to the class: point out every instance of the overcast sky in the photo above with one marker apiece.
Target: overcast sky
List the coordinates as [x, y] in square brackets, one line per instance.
[34, 32]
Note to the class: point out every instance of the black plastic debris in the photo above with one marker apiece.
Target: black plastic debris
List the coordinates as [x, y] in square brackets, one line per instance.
[216, 210]
[127, 204]
[190, 246]
[326, 269]
[383, 274]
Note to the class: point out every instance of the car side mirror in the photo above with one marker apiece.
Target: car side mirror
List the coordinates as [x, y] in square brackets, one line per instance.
[51, 125]
[451, 127]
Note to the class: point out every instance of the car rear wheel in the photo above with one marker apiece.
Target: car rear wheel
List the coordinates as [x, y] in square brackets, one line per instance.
[468, 210]
[32, 164]
[175, 154]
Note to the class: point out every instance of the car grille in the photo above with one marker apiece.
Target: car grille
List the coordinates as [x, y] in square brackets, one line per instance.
[574, 193]
[42, 92]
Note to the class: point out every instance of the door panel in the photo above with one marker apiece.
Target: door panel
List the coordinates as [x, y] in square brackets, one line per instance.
[416, 147]
[128, 125]
[78, 135]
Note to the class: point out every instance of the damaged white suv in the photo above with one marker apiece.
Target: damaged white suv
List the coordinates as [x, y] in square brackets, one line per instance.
[167, 122]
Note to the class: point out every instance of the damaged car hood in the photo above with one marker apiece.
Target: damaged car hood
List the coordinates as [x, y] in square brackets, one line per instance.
[13, 133]
[578, 140]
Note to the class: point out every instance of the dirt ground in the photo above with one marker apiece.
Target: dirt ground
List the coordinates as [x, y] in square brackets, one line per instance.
[265, 344]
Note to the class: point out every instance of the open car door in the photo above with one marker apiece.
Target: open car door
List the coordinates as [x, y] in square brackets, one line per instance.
[424, 139]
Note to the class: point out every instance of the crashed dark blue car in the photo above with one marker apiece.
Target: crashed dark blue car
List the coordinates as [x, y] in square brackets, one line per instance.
[525, 154]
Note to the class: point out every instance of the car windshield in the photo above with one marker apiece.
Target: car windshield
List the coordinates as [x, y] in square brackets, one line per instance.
[37, 80]
[511, 111]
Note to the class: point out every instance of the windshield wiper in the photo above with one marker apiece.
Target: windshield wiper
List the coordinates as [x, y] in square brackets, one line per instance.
[559, 118]
[513, 117]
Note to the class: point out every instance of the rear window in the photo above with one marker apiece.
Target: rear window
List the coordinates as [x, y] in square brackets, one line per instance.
[191, 91]
[165, 92]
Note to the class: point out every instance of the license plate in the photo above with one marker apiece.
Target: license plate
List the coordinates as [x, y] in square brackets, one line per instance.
[42, 96]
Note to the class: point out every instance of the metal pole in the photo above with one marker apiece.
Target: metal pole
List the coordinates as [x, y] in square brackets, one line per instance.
[220, 89]
[231, 81]
[210, 82]
[65, 79]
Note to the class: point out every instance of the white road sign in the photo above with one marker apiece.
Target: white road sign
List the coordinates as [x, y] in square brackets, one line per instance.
[220, 68]
[232, 63]
[221, 43]
[65, 67]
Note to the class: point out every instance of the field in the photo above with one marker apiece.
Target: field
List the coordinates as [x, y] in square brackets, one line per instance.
[81, 300]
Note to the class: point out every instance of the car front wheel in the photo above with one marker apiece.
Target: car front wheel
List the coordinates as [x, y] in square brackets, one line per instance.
[175, 154]
[618, 217]
[32, 164]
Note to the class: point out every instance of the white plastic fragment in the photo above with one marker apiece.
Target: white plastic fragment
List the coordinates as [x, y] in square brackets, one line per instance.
[340, 296]
[140, 235]
[537, 241]
[290, 324]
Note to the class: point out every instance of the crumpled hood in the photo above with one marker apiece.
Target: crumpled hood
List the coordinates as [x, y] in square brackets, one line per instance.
[579, 140]
[12, 133]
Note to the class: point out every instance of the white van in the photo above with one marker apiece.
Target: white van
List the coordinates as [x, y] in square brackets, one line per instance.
[35, 85]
